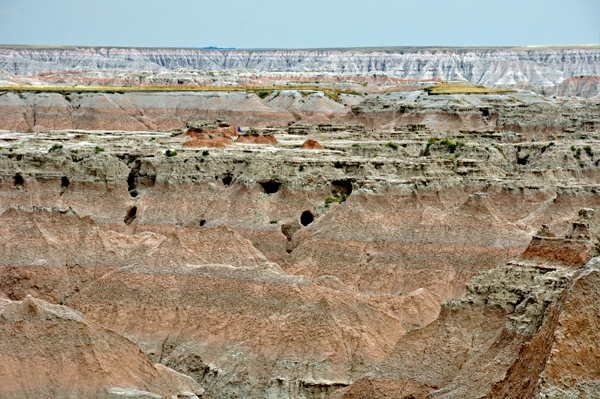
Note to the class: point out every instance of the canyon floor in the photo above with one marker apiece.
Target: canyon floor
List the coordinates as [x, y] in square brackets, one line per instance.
[299, 244]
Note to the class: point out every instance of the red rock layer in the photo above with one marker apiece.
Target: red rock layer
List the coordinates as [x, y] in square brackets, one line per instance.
[256, 139]
[390, 243]
[312, 145]
[570, 252]
[522, 330]
[189, 291]
[227, 132]
[208, 141]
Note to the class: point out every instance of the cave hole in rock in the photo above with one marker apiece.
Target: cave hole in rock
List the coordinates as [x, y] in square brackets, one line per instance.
[202, 222]
[131, 181]
[131, 215]
[64, 184]
[270, 187]
[18, 181]
[341, 187]
[306, 218]
[227, 180]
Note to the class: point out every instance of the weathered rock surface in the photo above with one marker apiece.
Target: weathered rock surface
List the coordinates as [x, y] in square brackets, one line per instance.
[265, 270]
[541, 67]
[523, 330]
[426, 212]
[256, 136]
[524, 113]
[133, 111]
[520, 113]
[190, 292]
[53, 351]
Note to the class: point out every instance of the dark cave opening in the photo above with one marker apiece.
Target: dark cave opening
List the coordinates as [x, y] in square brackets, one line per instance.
[18, 181]
[341, 187]
[227, 180]
[131, 215]
[306, 218]
[131, 181]
[64, 184]
[270, 187]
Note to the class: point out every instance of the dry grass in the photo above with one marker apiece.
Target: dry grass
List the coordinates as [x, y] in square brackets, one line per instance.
[452, 88]
[259, 90]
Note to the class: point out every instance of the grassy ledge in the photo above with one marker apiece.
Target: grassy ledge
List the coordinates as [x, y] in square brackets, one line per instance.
[451, 88]
[259, 90]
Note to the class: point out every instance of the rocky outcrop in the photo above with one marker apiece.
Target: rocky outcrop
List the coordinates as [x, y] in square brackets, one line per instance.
[134, 111]
[541, 67]
[219, 126]
[531, 116]
[508, 337]
[203, 140]
[522, 114]
[577, 247]
[312, 145]
[256, 136]
[426, 212]
[53, 351]
[328, 259]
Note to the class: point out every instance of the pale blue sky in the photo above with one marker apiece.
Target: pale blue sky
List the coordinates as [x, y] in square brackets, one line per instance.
[300, 23]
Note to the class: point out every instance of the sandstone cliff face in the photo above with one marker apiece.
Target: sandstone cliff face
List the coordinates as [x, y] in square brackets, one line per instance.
[544, 67]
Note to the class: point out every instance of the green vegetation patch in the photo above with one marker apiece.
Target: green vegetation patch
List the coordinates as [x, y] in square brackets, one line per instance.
[545, 147]
[55, 147]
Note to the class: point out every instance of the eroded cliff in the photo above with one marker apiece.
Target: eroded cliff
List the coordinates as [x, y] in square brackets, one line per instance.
[502, 66]
[308, 260]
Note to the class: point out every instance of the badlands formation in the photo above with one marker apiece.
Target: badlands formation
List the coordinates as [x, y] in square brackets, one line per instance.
[372, 240]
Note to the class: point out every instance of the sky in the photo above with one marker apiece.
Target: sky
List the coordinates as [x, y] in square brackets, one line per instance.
[299, 23]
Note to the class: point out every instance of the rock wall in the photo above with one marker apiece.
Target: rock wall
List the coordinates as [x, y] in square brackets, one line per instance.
[524, 113]
[540, 67]
[523, 330]
[267, 270]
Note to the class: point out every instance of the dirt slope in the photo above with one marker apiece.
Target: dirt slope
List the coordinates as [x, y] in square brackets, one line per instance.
[53, 351]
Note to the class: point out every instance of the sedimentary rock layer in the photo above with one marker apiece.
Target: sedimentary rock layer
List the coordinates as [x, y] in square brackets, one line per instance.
[523, 330]
[414, 216]
[183, 297]
[541, 67]
[53, 351]
[265, 269]
[520, 112]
